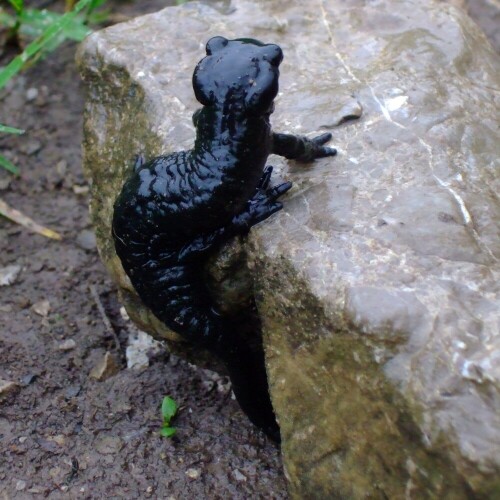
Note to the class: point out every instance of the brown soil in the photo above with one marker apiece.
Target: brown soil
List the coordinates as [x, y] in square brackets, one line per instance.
[63, 433]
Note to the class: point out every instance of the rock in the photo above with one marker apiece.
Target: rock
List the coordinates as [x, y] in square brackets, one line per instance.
[42, 308]
[72, 391]
[140, 347]
[30, 147]
[239, 476]
[86, 240]
[193, 473]
[31, 94]
[67, 345]
[20, 485]
[29, 378]
[77, 189]
[9, 274]
[105, 368]
[5, 183]
[377, 285]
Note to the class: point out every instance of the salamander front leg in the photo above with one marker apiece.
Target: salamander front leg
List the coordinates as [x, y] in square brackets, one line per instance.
[301, 148]
[263, 204]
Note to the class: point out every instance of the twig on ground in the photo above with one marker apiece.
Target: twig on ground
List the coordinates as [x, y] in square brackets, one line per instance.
[104, 317]
[18, 217]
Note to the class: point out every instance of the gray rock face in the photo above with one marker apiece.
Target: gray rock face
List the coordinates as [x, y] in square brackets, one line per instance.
[377, 284]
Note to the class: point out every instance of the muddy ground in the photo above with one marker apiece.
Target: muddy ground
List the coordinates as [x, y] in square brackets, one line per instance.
[62, 432]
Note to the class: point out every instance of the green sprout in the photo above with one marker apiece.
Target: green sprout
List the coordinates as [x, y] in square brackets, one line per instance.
[168, 411]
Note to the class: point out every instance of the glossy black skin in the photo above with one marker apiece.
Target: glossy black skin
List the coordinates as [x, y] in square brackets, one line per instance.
[175, 210]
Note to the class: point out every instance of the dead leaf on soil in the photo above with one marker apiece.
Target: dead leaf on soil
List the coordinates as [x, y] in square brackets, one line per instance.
[19, 218]
[105, 368]
[7, 386]
[42, 308]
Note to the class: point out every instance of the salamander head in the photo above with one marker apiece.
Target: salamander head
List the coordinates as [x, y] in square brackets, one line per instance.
[242, 73]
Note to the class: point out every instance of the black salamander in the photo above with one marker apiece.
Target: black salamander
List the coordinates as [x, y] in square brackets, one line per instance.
[175, 210]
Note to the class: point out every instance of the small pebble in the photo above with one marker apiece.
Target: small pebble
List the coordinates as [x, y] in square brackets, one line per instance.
[72, 391]
[9, 274]
[20, 485]
[67, 345]
[238, 475]
[62, 167]
[37, 266]
[41, 307]
[30, 147]
[77, 189]
[35, 490]
[5, 183]
[29, 379]
[86, 240]
[193, 473]
[23, 439]
[58, 438]
[140, 347]
[31, 94]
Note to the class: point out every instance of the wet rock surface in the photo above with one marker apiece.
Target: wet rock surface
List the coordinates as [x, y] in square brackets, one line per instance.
[378, 283]
[387, 380]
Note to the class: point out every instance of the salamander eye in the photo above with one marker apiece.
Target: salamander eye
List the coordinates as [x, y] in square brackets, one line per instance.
[216, 43]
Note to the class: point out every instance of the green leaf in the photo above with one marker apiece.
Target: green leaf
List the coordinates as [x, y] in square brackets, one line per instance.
[8, 165]
[39, 44]
[4, 129]
[18, 5]
[168, 409]
[167, 432]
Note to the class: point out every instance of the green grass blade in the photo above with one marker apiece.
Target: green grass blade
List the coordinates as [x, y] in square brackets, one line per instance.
[34, 22]
[18, 5]
[4, 129]
[8, 165]
[16, 65]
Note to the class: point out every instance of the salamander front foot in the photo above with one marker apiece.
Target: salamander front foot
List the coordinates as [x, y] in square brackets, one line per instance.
[263, 204]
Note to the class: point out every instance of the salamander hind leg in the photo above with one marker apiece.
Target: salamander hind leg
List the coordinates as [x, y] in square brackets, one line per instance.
[180, 299]
[177, 296]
